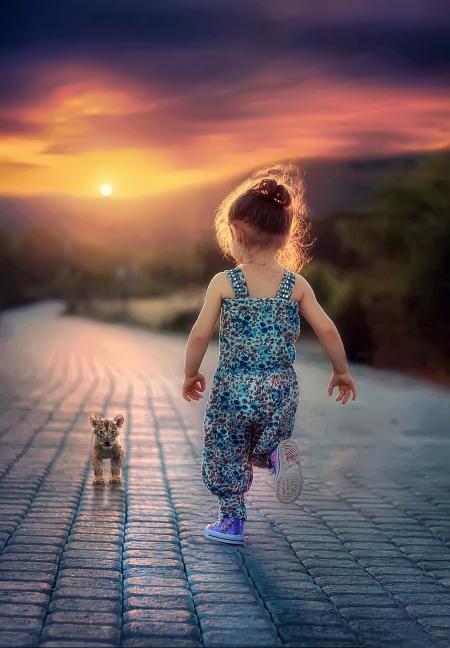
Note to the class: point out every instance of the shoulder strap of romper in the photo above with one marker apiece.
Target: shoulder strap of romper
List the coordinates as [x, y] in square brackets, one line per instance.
[237, 281]
[286, 286]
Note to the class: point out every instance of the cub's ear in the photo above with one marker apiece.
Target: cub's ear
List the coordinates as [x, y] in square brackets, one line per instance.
[94, 419]
[119, 420]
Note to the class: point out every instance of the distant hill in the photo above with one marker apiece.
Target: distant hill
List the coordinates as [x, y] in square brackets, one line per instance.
[186, 215]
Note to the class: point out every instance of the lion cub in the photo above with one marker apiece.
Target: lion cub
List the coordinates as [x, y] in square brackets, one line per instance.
[106, 445]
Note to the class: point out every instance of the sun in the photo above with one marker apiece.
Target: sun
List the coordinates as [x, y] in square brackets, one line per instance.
[106, 190]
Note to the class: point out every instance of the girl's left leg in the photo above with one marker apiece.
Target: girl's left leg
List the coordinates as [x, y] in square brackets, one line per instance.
[274, 448]
[278, 427]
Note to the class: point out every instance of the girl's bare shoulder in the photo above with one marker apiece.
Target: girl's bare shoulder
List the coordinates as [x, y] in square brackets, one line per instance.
[220, 284]
[301, 287]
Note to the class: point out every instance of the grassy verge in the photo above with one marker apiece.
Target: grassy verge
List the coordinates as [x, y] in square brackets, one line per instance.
[174, 312]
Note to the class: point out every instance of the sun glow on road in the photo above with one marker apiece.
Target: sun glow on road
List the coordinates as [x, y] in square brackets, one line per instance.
[106, 190]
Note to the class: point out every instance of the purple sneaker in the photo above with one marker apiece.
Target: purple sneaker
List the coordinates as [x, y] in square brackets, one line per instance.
[226, 529]
[285, 465]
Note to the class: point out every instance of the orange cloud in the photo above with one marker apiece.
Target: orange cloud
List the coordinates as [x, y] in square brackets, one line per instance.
[93, 127]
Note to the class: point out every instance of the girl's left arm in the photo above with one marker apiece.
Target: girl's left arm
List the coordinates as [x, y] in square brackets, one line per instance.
[200, 337]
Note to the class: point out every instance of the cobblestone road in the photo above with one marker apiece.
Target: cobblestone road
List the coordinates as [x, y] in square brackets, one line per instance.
[362, 559]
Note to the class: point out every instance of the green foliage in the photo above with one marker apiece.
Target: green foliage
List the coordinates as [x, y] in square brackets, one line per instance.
[339, 293]
[383, 274]
[12, 288]
[402, 246]
[166, 269]
[327, 283]
[28, 264]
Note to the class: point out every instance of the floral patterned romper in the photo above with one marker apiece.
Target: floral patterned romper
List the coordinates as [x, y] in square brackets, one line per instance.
[254, 394]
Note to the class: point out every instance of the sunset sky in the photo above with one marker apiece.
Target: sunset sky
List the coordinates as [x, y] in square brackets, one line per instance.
[147, 96]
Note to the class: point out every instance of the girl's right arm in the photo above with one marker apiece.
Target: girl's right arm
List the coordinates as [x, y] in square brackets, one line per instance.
[328, 335]
[199, 338]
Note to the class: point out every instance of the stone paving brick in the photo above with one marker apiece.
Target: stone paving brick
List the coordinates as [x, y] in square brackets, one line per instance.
[247, 610]
[81, 632]
[21, 610]
[154, 615]
[162, 642]
[77, 643]
[155, 629]
[213, 598]
[86, 605]
[300, 633]
[256, 638]
[102, 576]
[84, 582]
[359, 600]
[373, 612]
[27, 585]
[29, 598]
[19, 622]
[89, 617]
[158, 602]
[10, 639]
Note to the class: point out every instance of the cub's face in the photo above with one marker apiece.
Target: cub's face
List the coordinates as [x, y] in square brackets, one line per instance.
[106, 430]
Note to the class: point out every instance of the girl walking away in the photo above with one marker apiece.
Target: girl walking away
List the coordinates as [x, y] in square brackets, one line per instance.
[251, 407]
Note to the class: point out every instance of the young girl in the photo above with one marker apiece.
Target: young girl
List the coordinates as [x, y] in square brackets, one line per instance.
[251, 408]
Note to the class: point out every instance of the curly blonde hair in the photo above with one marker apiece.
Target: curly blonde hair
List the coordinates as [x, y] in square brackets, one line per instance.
[270, 208]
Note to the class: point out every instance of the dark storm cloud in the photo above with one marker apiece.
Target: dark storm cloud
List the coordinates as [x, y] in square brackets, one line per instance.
[395, 48]
[182, 43]
[97, 24]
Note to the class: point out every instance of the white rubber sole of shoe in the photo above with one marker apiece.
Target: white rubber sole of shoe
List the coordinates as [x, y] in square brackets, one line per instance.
[289, 480]
[223, 537]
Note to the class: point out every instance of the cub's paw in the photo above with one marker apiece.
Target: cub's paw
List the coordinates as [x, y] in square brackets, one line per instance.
[115, 480]
[99, 481]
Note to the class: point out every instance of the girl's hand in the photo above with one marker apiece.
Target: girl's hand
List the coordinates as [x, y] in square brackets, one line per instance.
[344, 382]
[193, 386]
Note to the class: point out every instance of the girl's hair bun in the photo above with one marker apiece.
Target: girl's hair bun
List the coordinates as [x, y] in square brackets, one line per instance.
[270, 209]
[275, 192]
